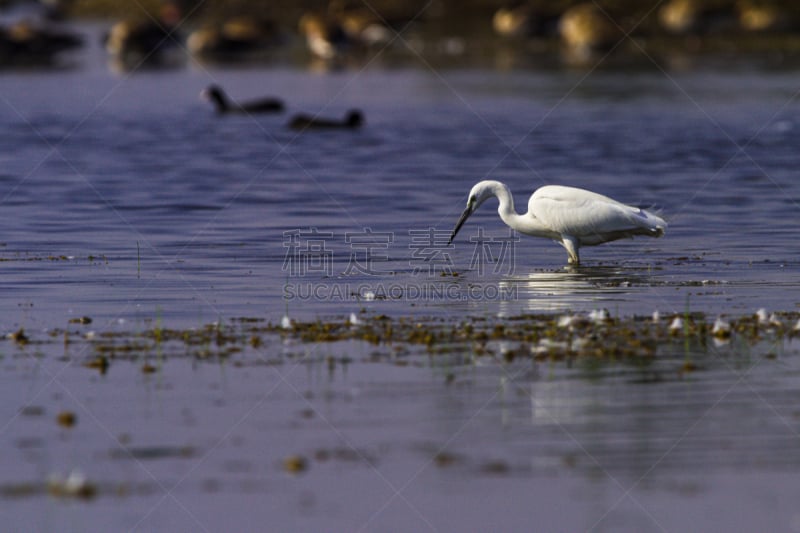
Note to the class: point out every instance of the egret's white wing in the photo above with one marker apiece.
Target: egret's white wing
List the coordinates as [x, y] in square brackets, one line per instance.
[589, 216]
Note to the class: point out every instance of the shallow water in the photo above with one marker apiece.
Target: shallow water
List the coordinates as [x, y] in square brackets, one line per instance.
[127, 200]
[177, 206]
[393, 437]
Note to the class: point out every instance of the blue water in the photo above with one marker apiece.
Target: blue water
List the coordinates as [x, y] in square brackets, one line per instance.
[110, 164]
[125, 199]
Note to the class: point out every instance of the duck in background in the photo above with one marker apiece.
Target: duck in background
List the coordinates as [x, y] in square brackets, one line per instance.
[31, 43]
[354, 119]
[521, 19]
[585, 30]
[762, 17]
[31, 34]
[153, 43]
[223, 104]
[36, 10]
[325, 37]
[694, 17]
[238, 39]
[367, 26]
[347, 29]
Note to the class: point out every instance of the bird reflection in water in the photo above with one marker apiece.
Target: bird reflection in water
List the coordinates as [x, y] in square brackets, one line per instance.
[573, 288]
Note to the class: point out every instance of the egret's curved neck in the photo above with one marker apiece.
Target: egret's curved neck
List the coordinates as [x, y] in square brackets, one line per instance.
[527, 223]
[506, 209]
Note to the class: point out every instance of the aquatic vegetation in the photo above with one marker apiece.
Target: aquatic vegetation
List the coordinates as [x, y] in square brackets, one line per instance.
[99, 363]
[294, 464]
[75, 485]
[19, 337]
[721, 329]
[150, 453]
[66, 419]
[249, 341]
[521, 355]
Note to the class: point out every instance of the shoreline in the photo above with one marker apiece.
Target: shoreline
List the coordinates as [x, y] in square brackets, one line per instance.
[642, 25]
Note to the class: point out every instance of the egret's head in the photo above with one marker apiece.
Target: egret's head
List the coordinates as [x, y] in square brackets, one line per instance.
[479, 194]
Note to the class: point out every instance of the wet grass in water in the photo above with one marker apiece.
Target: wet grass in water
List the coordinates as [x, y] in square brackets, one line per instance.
[594, 347]
[542, 337]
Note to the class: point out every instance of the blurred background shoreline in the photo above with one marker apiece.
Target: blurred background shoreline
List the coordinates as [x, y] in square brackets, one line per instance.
[479, 33]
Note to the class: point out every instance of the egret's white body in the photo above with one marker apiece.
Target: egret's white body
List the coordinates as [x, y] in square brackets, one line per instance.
[570, 216]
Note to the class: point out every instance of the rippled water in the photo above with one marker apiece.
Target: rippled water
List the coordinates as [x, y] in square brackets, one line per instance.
[94, 165]
[125, 199]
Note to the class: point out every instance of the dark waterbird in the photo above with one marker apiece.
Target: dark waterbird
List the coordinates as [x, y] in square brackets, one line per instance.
[149, 42]
[223, 104]
[25, 43]
[237, 39]
[353, 120]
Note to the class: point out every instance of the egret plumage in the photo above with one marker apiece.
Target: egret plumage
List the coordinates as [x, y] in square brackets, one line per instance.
[570, 216]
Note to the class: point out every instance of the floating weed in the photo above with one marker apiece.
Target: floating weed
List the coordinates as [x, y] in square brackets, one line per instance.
[151, 453]
[37, 258]
[294, 464]
[721, 329]
[31, 410]
[66, 419]
[19, 337]
[495, 467]
[20, 490]
[559, 340]
[99, 363]
[444, 459]
[76, 485]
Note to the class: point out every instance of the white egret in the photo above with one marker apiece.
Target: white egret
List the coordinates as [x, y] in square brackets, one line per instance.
[570, 216]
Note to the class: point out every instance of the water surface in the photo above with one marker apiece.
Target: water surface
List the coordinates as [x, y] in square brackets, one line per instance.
[125, 199]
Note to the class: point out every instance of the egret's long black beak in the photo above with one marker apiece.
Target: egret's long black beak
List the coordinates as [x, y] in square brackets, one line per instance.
[464, 216]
